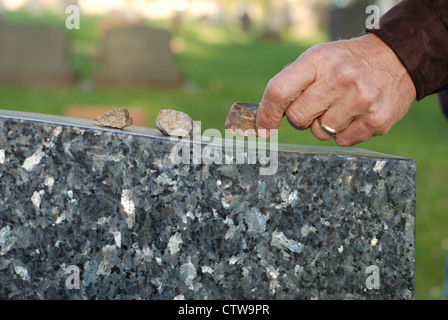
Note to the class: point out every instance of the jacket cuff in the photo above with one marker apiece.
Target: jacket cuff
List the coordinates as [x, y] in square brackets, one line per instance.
[420, 40]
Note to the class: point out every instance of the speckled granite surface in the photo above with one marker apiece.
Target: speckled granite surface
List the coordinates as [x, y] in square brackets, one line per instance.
[136, 226]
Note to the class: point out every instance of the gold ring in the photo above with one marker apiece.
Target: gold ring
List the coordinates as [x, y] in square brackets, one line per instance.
[329, 130]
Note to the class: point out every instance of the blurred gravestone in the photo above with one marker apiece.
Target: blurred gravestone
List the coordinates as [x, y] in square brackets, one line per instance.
[346, 22]
[118, 18]
[34, 55]
[58, 7]
[137, 56]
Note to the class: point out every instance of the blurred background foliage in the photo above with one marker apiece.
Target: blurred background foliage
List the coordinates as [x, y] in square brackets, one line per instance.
[226, 57]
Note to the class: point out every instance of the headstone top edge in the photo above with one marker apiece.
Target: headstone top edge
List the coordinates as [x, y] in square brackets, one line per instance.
[154, 133]
[74, 122]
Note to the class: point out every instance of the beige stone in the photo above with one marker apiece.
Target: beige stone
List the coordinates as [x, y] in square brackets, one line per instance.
[176, 123]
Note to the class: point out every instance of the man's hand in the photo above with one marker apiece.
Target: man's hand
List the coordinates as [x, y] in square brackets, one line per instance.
[357, 87]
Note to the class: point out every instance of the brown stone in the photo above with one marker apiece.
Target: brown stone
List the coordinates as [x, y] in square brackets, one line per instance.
[118, 118]
[241, 120]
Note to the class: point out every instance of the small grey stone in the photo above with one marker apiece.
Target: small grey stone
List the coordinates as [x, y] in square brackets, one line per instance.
[176, 123]
[117, 118]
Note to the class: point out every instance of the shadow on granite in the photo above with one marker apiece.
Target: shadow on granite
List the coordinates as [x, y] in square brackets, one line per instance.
[95, 213]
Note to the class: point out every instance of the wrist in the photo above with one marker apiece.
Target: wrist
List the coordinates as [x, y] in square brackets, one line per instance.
[386, 58]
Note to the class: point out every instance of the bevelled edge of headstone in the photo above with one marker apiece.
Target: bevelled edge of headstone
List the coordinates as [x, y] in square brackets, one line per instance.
[156, 133]
[117, 118]
[241, 120]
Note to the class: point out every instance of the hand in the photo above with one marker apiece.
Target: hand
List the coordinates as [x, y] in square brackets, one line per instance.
[357, 87]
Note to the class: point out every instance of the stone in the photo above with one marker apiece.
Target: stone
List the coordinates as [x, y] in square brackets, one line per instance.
[35, 55]
[117, 118]
[137, 56]
[176, 123]
[332, 223]
[241, 120]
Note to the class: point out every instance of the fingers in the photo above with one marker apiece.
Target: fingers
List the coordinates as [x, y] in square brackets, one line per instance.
[319, 132]
[310, 104]
[354, 134]
[280, 92]
[358, 88]
[359, 130]
[338, 117]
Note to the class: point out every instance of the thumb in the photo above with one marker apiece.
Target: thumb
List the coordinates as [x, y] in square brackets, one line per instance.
[281, 90]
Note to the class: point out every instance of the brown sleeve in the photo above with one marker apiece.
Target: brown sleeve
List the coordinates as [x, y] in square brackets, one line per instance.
[416, 30]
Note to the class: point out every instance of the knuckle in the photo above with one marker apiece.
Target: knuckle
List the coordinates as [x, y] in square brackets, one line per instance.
[276, 89]
[376, 121]
[318, 55]
[345, 75]
[297, 119]
[369, 96]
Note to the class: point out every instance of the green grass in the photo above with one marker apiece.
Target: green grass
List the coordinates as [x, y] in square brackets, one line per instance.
[224, 65]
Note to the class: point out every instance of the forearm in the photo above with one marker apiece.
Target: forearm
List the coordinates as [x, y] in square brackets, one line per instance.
[417, 31]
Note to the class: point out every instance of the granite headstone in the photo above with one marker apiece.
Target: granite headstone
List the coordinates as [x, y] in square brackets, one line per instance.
[95, 213]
